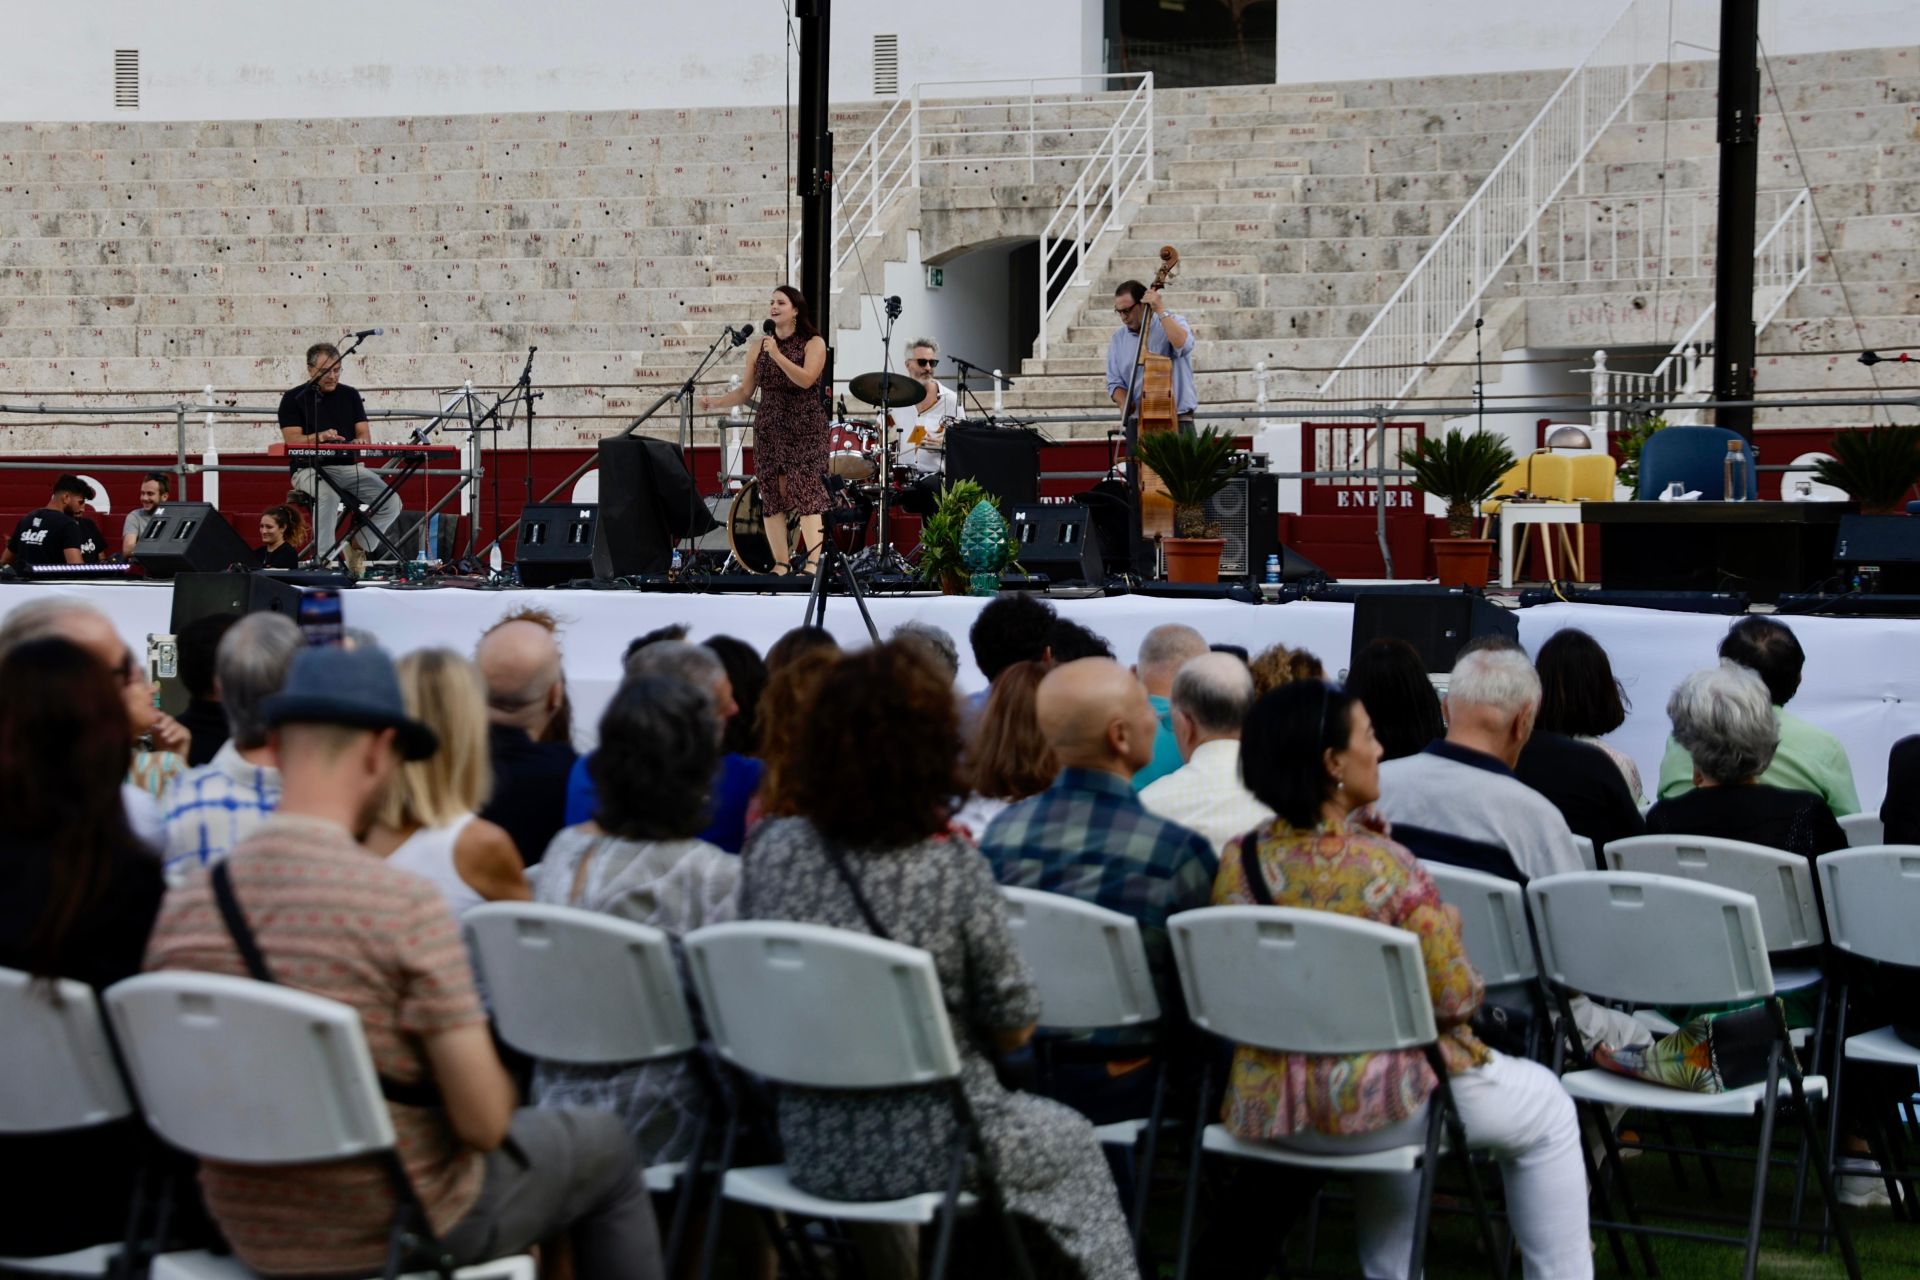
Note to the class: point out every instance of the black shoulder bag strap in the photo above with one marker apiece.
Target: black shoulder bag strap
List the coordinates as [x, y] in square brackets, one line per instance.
[420, 1093]
[1250, 864]
[838, 862]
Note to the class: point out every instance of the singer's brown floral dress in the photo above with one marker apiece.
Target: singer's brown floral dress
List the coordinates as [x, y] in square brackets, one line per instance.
[790, 437]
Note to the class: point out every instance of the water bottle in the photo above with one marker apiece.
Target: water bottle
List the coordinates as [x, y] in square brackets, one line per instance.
[1273, 571]
[676, 560]
[1734, 472]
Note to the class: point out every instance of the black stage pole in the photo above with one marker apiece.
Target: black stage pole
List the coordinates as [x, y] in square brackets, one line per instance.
[1739, 133]
[814, 167]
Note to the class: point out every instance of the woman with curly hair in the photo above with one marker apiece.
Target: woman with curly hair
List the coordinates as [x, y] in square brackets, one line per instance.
[892, 870]
[786, 709]
[1278, 665]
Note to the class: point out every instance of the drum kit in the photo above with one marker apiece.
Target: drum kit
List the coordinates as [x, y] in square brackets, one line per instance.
[865, 469]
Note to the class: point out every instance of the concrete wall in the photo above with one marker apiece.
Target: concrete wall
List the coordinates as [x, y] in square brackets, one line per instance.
[967, 316]
[242, 59]
[1388, 38]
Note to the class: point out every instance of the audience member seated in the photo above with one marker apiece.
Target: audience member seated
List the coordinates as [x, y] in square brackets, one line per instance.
[1808, 758]
[1211, 697]
[795, 643]
[739, 775]
[786, 731]
[78, 896]
[936, 643]
[428, 821]
[641, 859]
[1900, 811]
[1723, 718]
[747, 674]
[92, 630]
[1068, 641]
[1276, 665]
[890, 870]
[1312, 757]
[198, 643]
[491, 1179]
[1390, 677]
[1163, 651]
[1457, 800]
[1010, 628]
[1581, 777]
[519, 657]
[1089, 837]
[1007, 759]
[213, 808]
[1581, 698]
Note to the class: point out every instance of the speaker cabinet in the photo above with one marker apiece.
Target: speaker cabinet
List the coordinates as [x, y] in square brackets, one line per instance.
[560, 542]
[1247, 511]
[1060, 540]
[648, 502]
[1438, 623]
[1005, 460]
[189, 537]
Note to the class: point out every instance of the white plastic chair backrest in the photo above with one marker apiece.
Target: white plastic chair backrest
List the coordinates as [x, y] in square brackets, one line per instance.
[1863, 830]
[577, 986]
[1873, 901]
[803, 1004]
[249, 1072]
[1088, 962]
[1584, 847]
[1302, 981]
[586, 488]
[1781, 882]
[1493, 922]
[56, 1067]
[1649, 939]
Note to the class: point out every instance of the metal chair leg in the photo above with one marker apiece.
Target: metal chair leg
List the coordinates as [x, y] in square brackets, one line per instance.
[1617, 1168]
[1598, 1185]
[1191, 1205]
[1761, 1165]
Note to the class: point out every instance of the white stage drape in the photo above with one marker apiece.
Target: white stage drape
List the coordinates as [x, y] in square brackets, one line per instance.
[1862, 681]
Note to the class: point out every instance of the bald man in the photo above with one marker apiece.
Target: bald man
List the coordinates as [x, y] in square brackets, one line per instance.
[1089, 837]
[526, 695]
[1163, 651]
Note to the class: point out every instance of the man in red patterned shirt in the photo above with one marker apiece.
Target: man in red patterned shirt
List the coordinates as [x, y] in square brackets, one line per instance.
[333, 919]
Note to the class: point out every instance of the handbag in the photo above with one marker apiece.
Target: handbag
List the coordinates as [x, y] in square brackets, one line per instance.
[1710, 1053]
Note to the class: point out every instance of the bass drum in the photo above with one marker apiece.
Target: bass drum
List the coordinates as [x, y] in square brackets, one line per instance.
[747, 530]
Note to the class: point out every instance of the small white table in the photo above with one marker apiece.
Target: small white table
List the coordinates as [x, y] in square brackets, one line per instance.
[1515, 515]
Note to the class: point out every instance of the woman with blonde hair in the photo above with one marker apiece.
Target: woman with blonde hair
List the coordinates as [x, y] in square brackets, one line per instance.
[428, 820]
[1009, 759]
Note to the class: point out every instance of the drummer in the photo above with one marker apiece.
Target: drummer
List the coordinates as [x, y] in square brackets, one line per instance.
[922, 430]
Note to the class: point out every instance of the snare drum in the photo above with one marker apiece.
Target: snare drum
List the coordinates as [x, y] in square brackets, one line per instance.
[852, 451]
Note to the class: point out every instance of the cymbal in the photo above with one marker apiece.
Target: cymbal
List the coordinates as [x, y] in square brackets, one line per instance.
[904, 393]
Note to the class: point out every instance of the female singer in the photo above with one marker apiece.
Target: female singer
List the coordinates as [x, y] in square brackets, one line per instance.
[790, 429]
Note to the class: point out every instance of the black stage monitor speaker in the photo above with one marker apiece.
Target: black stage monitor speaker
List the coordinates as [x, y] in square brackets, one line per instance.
[1005, 460]
[1247, 511]
[561, 541]
[1060, 540]
[189, 537]
[1438, 623]
[1885, 549]
[648, 502]
[196, 595]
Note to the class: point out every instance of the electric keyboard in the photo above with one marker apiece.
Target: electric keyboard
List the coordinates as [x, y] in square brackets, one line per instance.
[366, 453]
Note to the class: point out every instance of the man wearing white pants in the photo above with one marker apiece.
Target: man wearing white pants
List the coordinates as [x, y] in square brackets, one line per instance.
[322, 411]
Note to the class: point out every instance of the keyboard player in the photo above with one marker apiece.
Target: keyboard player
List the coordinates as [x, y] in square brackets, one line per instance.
[322, 411]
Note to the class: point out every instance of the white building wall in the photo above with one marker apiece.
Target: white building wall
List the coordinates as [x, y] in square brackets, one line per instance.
[246, 59]
[967, 316]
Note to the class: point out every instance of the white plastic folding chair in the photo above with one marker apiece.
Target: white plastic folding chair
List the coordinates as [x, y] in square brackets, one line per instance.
[250, 1073]
[1654, 939]
[1316, 982]
[584, 988]
[1499, 942]
[1863, 830]
[1873, 899]
[1090, 967]
[810, 1007]
[1584, 847]
[57, 1073]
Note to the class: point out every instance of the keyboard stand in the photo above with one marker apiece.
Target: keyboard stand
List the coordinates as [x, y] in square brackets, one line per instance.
[359, 517]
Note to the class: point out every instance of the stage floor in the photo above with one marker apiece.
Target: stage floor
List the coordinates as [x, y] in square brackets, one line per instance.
[1861, 681]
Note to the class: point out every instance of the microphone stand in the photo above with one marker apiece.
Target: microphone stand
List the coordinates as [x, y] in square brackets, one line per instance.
[885, 558]
[966, 366]
[525, 387]
[683, 391]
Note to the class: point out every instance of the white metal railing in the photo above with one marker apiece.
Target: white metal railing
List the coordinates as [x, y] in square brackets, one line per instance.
[1781, 260]
[990, 132]
[1445, 286]
[1637, 239]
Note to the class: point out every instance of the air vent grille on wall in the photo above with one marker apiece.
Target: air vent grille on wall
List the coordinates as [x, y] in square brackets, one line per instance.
[886, 66]
[126, 79]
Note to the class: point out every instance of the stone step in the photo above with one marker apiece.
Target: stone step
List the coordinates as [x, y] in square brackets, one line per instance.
[211, 341]
[1277, 257]
[1651, 103]
[1214, 324]
[1885, 162]
[656, 246]
[473, 276]
[1813, 130]
[695, 310]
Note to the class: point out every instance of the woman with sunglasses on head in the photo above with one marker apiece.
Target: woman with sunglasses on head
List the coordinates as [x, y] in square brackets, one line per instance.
[790, 429]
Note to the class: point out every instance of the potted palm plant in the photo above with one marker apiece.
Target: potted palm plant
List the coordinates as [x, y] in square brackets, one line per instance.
[1193, 467]
[1877, 467]
[1461, 469]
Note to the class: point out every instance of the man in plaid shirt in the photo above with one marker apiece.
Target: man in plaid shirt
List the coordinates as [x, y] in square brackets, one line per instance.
[1088, 836]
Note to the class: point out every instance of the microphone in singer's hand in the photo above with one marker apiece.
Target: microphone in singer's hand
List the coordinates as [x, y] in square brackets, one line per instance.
[766, 327]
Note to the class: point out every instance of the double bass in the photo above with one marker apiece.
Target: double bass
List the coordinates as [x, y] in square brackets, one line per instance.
[1152, 516]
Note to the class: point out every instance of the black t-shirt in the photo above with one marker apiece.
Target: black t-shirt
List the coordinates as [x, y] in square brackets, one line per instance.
[340, 410]
[1584, 784]
[281, 557]
[91, 542]
[1900, 811]
[45, 536]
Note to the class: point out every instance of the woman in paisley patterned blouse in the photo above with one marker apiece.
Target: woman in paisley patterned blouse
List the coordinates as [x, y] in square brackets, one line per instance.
[1310, 754]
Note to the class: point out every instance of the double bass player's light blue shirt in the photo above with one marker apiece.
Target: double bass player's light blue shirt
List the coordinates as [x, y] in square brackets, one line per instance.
[1125, 344]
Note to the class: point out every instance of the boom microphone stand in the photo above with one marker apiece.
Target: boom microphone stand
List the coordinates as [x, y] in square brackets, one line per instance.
[961, 391]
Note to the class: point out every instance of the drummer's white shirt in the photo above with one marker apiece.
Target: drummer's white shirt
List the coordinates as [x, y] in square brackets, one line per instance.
[931, 455]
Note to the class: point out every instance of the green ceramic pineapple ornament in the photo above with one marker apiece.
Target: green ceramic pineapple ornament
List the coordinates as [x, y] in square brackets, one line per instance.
[983, 548]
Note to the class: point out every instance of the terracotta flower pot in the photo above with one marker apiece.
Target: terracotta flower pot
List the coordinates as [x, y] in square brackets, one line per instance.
[1462, 562]
[1193, 559]
[953, 584]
